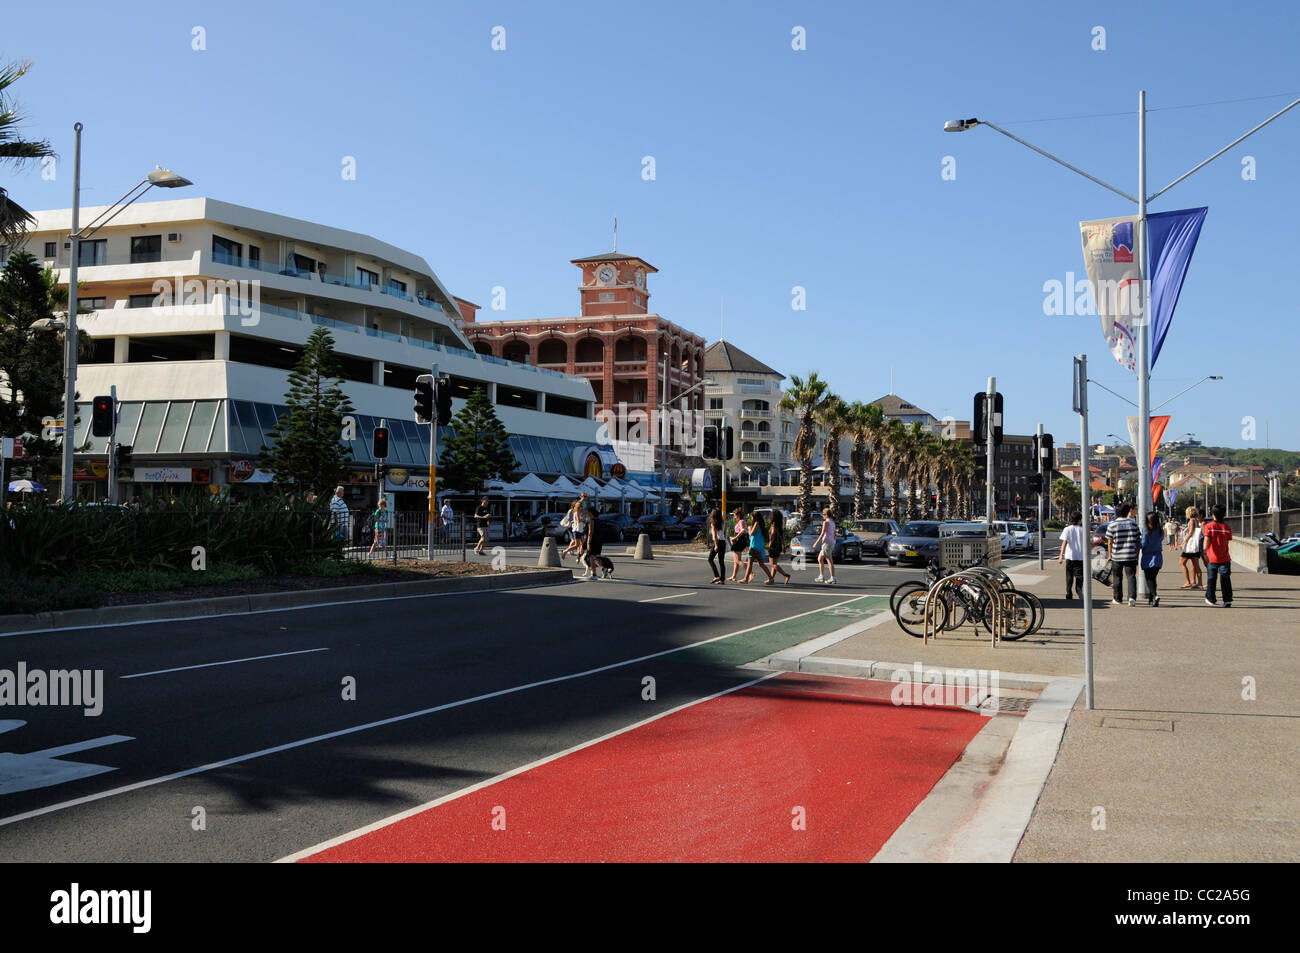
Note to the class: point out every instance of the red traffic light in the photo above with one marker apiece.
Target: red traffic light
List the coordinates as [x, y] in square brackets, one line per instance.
[101, 418]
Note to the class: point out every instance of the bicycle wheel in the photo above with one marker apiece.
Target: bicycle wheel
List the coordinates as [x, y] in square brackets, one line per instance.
[1019, 612]
[958, 611]
[909, 586]
[910, 613]
[1040, 612]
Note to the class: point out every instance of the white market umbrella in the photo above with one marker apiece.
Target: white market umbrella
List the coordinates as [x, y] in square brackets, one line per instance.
[25, 486]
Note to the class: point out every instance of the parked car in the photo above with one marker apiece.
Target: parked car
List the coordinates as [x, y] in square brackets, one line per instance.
[654, 525]
[847, 545]
[545, 524]
[618, 526]
[1023, 535]
[875, 536]
[695, 525]
[1003, 529]
[916, 542]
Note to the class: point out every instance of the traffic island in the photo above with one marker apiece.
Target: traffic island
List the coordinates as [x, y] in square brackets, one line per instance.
[407, 578]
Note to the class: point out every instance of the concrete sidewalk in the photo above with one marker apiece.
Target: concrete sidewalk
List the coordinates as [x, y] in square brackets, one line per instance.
[1191, 751]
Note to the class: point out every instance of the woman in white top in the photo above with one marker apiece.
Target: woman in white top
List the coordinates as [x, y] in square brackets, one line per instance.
[1191, 550]
[825, 547]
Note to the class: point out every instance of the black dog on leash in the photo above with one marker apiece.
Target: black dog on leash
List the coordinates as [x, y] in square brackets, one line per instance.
[604, 562]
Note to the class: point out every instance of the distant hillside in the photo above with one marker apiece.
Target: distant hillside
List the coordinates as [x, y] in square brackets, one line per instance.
[1285, 460]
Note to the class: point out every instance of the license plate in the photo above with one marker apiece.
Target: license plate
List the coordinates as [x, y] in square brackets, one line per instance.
[910, 552]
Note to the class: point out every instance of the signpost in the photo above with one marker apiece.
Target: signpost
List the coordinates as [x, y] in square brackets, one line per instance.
[1085, 480]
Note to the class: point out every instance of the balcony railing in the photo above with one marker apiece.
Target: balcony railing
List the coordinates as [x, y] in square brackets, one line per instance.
[755, 456]
[755, 412]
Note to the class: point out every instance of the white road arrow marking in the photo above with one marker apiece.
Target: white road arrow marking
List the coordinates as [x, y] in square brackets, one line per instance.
[42, 769]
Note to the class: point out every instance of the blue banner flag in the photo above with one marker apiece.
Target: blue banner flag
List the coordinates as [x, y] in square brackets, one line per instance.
[1173, 239]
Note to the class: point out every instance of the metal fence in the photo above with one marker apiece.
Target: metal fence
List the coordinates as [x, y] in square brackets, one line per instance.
[403, 535]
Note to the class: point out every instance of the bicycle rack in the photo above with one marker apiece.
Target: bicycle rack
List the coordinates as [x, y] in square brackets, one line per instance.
[980, 580]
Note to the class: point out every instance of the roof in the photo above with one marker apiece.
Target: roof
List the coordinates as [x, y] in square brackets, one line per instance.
[725, 356]
[613, 256]
[895, 406]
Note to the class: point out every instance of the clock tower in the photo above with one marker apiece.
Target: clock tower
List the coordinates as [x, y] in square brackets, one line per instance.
[614, 283]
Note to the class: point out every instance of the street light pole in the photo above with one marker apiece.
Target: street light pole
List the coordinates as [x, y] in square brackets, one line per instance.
[70, 332]
[1144, 337]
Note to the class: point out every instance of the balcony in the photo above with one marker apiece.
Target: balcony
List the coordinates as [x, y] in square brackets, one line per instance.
[755, 414]
[756, 456]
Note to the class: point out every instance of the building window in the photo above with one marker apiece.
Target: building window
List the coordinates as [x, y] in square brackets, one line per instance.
[92, 304]
[304, 264]
[396, 285]
[93, 252]
[750, 381]
[367, 277]
[226, 252]
[254, 255]
[51, 249]
[141, 301]
[638, 299]
[606, 296]
[715, 403]
[146, 248]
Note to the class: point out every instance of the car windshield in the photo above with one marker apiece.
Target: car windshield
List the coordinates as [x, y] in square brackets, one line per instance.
[1020, 527]
[921, 529]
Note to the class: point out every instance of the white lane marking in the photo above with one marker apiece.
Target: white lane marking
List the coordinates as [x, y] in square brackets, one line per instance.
[675, 595]
[377, 825]
[233, 661]
[395, 719]
[42, 769]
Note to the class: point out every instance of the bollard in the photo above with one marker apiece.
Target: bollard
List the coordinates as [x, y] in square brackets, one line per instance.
[549, 555]
[643, 550]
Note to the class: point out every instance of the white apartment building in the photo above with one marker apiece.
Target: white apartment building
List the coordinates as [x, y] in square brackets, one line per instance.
[199, 308]
[747, 393]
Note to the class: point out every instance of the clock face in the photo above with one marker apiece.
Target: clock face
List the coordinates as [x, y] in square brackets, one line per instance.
[606, 274]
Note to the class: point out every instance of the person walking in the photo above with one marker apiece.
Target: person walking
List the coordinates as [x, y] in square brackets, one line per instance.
[1072, 555]
[1171, 530]
[1218, 558]
[1124, 540]
[825, 547]
[1191, 552]
[446, 515]
[593, 542]
[483, 523]
[776, 545]
[739, 540]
[1151, 558]
[717, 547]
[339, 513]
[757, 549]
[380, 521]
[576, 517]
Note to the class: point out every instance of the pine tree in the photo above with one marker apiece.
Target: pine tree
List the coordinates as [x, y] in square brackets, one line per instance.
[307, 452]
[478, 451]
[31, 361]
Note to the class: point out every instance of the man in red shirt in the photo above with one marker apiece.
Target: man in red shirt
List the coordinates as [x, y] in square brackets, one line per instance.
[1217, 534]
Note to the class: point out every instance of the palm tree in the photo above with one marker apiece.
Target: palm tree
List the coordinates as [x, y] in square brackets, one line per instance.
[834, 416]
[918, 466]
[805, 399]
[14, 219]
[860, 457]
[895, 441]
[874, 424]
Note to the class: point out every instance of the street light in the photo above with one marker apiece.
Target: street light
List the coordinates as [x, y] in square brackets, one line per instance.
[663, 451]
[1144, 335]
[1212, 377]
[159, 177]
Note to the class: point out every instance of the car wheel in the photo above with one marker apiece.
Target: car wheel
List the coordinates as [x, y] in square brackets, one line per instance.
[893, 562]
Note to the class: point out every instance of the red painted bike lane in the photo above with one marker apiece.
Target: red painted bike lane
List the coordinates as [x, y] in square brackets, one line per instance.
[795, 768]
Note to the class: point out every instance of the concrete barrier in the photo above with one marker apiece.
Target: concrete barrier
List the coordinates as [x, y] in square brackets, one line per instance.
[643, 548]
[1249, 554]
[549, 556]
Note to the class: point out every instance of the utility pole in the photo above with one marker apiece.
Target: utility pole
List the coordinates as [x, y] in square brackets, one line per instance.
[433, 467]
[1081, 408]
[1039, 447]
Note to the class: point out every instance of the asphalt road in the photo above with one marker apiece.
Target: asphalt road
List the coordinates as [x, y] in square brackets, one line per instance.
[256, 736]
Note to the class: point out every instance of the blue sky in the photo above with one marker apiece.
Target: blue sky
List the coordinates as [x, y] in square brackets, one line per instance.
[774, 168]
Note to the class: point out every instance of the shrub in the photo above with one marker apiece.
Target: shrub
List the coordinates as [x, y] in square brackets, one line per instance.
[23, 594]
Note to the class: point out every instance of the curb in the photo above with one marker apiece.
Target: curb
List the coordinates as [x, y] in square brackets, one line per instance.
[271, 601]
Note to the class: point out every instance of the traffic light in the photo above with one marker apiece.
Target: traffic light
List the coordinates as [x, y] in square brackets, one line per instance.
[1045, 448]
[710, 443]
[424, 399]
[122, 455]
[728, 442]
[379, 444]
[1036, 482]
[443, 396]
[981, 422]
[101, 420]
